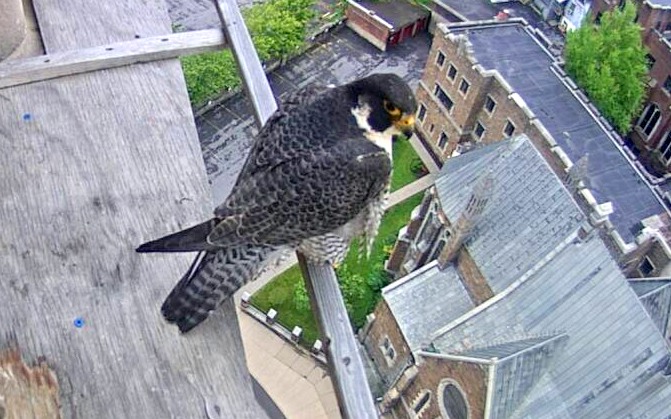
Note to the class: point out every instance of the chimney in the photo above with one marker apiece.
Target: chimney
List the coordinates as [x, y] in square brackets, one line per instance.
[460, 231]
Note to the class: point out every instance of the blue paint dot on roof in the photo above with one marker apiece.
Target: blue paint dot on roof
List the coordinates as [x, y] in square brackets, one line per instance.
[27, 117]
[79, 322]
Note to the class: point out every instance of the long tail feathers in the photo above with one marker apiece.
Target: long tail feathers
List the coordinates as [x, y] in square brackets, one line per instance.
[192, 239]
[211, 279]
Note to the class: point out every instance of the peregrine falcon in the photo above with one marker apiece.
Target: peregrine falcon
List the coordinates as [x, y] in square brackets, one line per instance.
[317, 175]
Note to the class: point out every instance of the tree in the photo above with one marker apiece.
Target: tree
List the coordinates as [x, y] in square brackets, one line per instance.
[609, 62]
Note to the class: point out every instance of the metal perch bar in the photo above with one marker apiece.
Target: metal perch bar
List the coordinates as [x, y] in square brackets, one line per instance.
[344, 361]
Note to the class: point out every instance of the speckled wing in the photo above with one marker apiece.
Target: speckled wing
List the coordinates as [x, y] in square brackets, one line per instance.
[311, 194]
[302, 97]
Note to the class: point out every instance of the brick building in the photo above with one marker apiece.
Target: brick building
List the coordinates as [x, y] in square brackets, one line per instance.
[523, 312]
[474, 92]
[385, 24]
[651, 133]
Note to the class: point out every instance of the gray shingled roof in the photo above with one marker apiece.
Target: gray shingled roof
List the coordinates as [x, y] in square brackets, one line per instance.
[511, 51]
[425, 300]
[614, 356]
[655, 295]
[664, 4]
[528, 215]
[518, 367]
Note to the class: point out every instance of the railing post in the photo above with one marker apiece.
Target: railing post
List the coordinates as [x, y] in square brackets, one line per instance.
[342, 351]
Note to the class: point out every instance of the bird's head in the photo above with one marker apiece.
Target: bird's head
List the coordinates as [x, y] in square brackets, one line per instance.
[384, 104]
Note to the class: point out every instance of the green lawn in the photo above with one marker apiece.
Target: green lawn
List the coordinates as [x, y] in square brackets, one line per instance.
[361, 279]
[405, 159]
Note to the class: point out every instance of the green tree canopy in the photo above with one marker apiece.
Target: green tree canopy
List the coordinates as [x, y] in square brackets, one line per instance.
[609, 62]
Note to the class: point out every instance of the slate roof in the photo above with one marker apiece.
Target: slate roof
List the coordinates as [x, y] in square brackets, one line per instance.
[655, 295]
[425, 300]
[398, 13]
[516, 55]
[664, 4]
[518, 366]
[614, 357]
[528, 214]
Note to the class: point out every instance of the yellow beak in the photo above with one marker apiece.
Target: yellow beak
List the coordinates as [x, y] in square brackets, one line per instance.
[406, 124]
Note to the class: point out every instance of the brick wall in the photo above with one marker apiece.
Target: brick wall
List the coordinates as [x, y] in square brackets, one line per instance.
[469, 377]
[476, 284]
[383, 326]
[657, 95]
[367, 27]
[459, 123]
[654, 21]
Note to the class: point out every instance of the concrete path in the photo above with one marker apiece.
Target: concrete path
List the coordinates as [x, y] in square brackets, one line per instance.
[299, 386]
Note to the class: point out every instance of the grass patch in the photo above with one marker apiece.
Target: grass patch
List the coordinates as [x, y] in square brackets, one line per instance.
[408, 166]
[278, 29]
[361, 279]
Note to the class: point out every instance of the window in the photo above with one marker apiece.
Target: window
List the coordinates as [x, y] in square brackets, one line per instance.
[479, 130]
[421, 402]
[649, 119]
[443, 98]
[509, 129]
[421, 113]
[440, 59]
[464, 86]
[646, 267]
[665, 148]
[667, 27]
[438, 249]
[442, 141]
[452, 72]
[489, 104]
[452, 401]
[651, 60]
[388, 350]
[431, 128]
[667, 84]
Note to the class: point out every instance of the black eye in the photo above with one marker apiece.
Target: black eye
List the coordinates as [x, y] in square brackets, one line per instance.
[389, 107]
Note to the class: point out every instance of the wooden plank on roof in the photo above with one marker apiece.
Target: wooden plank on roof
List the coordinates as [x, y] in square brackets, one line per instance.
[91, 166]
[76, 24]
[59, 64]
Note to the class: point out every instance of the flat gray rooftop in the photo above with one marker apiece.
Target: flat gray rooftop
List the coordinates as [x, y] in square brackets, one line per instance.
[526, 67]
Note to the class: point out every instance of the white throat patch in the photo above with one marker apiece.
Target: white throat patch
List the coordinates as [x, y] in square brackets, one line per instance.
[381, 139]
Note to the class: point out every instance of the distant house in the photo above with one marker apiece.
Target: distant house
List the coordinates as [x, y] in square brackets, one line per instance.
[488, 81]
[523, 312]
[385, 24]
[575, 12]
[549, 9]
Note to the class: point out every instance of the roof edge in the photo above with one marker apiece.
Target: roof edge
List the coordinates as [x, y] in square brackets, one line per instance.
[509, 290]
[409, 277]
[453, 357]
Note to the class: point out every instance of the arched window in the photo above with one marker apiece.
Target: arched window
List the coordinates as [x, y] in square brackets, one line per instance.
[453, 404]
[665, 148]
[649, 119]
